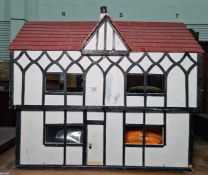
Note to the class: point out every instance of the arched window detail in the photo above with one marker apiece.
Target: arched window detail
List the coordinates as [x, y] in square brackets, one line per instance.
[114, 90]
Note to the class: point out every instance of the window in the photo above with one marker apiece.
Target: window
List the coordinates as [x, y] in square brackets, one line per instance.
[54, 134]
[136, 83]
[155, 83]
[54, 82]
[74, 82]
[153, 135]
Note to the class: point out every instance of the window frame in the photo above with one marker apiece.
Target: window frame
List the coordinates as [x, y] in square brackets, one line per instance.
[62, 144]
[144, 127]
[83, 82]
[145, 76]
[54, 91]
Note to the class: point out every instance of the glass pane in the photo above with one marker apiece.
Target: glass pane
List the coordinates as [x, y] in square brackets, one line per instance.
[55, 135]
[54, 82]
[155, 84]
[74, 83]
[153, 135]
[135, 83]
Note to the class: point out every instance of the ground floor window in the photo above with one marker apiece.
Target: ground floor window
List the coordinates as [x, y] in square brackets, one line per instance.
[56, 134]
[148, 135]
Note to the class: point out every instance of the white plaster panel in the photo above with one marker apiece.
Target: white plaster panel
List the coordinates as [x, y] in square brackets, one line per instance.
[192, 83]
[74, 54]
[166, 63]
[91, 45]
[114, 138]
[186, 63]
[74, 155]
[109, 38]
[85, 62]
[34, 54]
[54, 117]
[94, 87]
[95, 139]
[194, 56]
[133, 156]
[54, 99]
[95, 116]
[156, 56]
[176, 88]
[54, 68]
[74, 100]
[114, 88]
[23, 61]
[104, 63]
[155, 101]
[64, 61]
[74, 117]
[154, 119]
[136, 70]
[17, 93]
[176, 56]
[114, 58]
[125, 63]
[119, 43]
[145, 63]
[135, 56]
[175, 153]
[74, 69]
[44, 61]
[16, 54]
[33, 86]
[134, 118]
[32, 151]
[155, 70]
[135, 101]
[54, 54]
[101, 37]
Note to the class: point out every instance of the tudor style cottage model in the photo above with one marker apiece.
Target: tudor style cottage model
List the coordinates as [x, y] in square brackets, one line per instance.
[104, 94]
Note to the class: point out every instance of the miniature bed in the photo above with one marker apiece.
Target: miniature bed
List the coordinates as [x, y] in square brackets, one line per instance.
[105, 94]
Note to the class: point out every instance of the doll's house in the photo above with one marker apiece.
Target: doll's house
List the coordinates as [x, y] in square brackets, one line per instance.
[106, 94]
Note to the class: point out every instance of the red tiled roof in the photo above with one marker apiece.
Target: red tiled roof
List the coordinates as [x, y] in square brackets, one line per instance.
[139, 36]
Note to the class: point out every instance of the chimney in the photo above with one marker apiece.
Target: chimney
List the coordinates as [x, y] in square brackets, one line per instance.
[103, 11]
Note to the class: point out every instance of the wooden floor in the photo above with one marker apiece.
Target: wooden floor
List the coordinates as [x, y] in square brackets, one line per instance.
[200, 165]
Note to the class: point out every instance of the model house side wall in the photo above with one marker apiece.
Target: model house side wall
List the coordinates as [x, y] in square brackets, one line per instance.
[105, 78]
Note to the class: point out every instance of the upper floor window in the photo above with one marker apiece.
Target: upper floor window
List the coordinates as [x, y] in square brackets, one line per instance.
[136, 83]
[54, 82]
[74, 82]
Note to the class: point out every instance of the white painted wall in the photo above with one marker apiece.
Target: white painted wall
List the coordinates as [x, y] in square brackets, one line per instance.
[33, 86]
[32, 149]
[114, 94]
[94, 87]
[74, 155]
[133, 156]
[54, 99]
[95, 140]
[17, 93]
[54, 117]
[114, 138]
[176, 88]
[175, 153]
[192, 84]
[74, 117]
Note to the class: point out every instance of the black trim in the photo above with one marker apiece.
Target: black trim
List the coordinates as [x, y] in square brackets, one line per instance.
[148, 168]
[105, 53]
